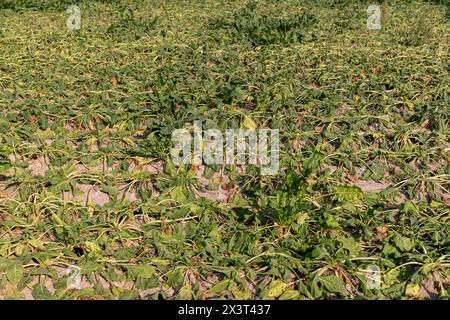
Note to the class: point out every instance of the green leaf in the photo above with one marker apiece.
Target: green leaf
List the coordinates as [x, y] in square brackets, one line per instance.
[185, 293]
[147, 283]
[141, 270]
[390, 278]
[404, 244]
[410, 207]
[290, 295]
[348, 193]
[178, 195]
[175, 278]
[221, 286]
[40, 292]
[14, 272]
[389, 250]
[351, 245]
[312, 163]
[334, 284]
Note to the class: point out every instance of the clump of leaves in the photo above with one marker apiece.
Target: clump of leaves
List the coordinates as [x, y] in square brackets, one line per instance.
[416, 34]
[46, 4]
[129, 27]
[287, 201]
[261, 28]
[34, 4]
[345, 18]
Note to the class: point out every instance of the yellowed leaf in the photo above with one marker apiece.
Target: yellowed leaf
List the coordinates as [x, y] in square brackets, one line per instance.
[276, 289]
[412, 290]
[249, 123]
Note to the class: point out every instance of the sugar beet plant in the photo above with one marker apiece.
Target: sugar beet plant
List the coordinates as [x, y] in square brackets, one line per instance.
[87, 184]
[261, 27]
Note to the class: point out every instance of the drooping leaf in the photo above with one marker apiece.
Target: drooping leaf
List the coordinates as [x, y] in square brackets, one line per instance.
[334, 284]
